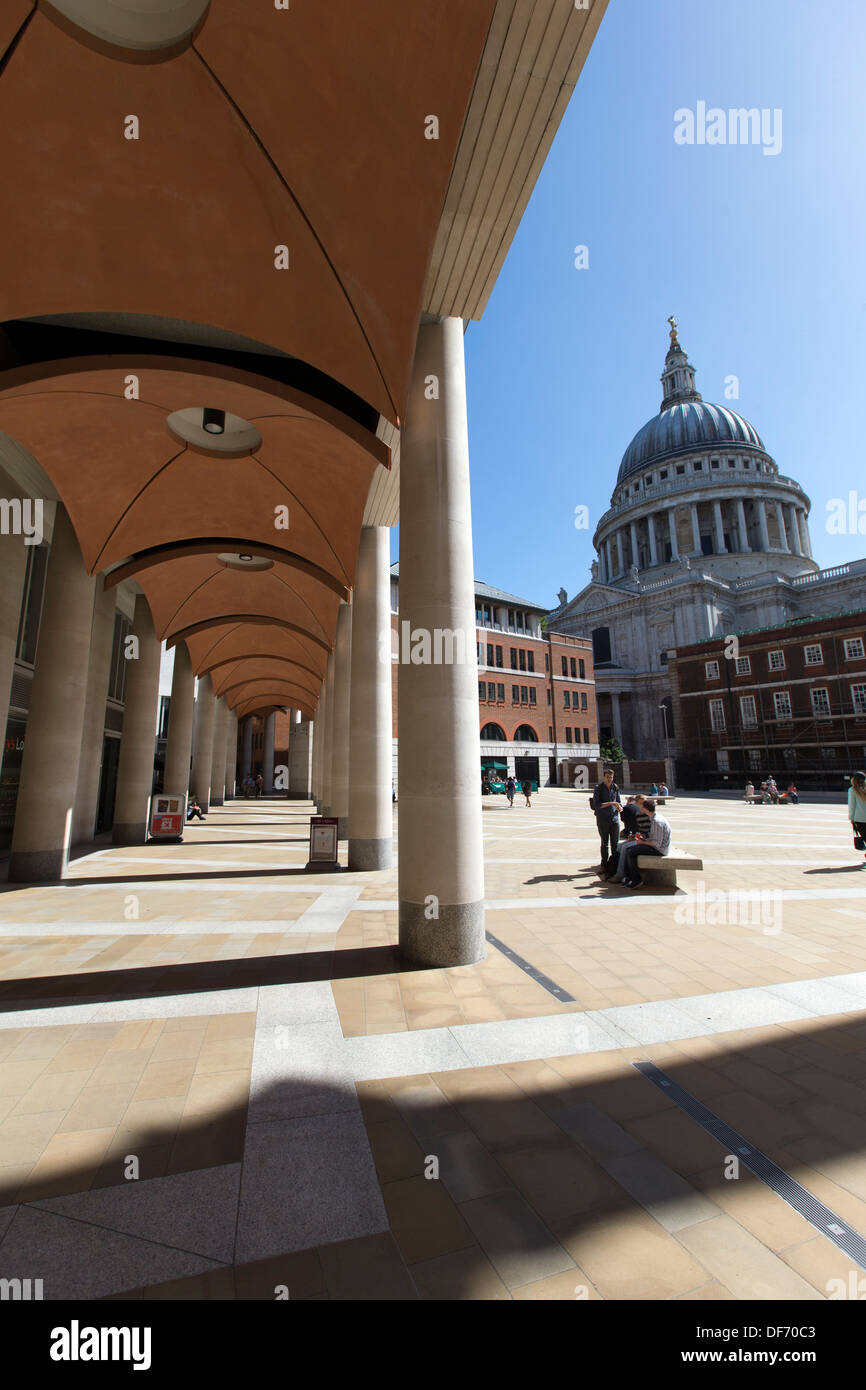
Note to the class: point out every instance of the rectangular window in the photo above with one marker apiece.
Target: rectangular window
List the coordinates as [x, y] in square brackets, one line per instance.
[514, 658]
[583, 699]
[522, 655]
[565, 666]
[581, 666]
[858, 699]
[820, 703]
[717, 715]
[748, 712]
[853, 648]
[711, 669]
[568, 735]
[547, 661]
[573, 669]
[500, 692]
[782, 705]
[515, 694]
[566, 699]
[744, 666]
[548, 697]
[776, 660]
[550, 733]
[524, 699]
[530, 661]
[754, 759]
[499, 657]
[489, 653]
[532, 699]
[482, 690]
[813, 654]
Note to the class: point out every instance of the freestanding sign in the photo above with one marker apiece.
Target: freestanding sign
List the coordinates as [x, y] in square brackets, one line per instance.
[323, 845]
[167, 817]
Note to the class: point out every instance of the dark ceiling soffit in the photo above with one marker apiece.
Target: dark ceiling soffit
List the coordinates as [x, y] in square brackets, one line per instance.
[212, 545]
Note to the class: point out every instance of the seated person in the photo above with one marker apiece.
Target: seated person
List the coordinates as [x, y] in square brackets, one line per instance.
[750, 791]
[654, 789]
[663, 790]
[792, 794]
[193, 810]
[629, 815]
[642, 823]
[657, 841]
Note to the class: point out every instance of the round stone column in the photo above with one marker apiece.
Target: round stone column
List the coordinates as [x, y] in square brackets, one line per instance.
[342, 701]
[247, 751]
[52, 746]
[370, 806]
[99, 666]
[180, 713]
[231, 754]
[202, 743]
[13, 565]
[268, 752]
[300, 749]
[328, 751]
[138, 740]
[441, 864]
[218, 766]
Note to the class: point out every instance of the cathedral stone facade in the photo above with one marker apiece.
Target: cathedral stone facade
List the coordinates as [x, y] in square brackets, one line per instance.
[703, 537]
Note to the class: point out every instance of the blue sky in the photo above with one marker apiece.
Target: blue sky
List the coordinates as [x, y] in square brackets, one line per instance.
[760, 257]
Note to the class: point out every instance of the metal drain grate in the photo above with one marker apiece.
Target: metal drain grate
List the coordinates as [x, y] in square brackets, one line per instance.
[544, 980]
[786, 1187]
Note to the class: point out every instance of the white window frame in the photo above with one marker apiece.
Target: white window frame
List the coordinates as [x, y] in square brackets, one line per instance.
[773, 665]
[813, 647]
[858, 652]
[743, 666]
[711, 670]
[778, 697]
[747, 701]
[858, 701]
[717, 716]
[825, 712]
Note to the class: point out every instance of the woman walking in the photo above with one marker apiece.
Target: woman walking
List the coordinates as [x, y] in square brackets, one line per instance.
[857, 809]
[526, 788]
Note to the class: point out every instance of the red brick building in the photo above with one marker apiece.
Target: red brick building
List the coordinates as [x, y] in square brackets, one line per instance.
[536, 690]
[788, 700]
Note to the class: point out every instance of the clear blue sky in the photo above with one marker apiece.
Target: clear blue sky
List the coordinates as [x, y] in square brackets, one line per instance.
[761, 259]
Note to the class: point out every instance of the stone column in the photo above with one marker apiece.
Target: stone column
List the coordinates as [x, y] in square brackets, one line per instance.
[99, 667]
[247, 750]
[370, 813]
[180, 711]
[138, 741]
[616, 715]
[268, 753]
[794, 530]
[651, 536]
[762, 523]
[342, 701]
[719, 526]
[620, 561]
[804, 533]
[13, 565]
[231, 754]
[441, 863]
[780, 522]
[672, 532]
[742, 527]
[635, 552]
[500, 616]
[696, 528]
[52, 746]
[319, 735]
[202, 748]
[300, 759]
[328, 758]
[218, 765]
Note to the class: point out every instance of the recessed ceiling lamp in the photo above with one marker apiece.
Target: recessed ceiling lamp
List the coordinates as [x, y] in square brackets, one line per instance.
[143, 26]
[214, 421]
[214, 432]
[237, 560]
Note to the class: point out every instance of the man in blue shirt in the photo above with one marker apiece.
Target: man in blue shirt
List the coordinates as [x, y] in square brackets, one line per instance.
[606, 804]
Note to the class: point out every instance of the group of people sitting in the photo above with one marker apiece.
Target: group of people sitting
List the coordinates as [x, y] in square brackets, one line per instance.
[644, 831]
[252, 786]
[769, 794]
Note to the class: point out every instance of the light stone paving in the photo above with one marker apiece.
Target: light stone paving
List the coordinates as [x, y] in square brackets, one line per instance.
[319, 1043]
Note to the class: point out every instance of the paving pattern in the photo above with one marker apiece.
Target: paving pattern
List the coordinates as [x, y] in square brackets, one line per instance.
[217, 1080]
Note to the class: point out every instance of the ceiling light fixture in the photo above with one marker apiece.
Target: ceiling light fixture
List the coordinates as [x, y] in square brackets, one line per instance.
[214, 421]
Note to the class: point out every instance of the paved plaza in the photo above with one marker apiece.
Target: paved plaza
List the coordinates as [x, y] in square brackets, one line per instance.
[218, 1082]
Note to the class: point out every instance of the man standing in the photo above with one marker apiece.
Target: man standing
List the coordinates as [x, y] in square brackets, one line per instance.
[657, 841]
[607, 806]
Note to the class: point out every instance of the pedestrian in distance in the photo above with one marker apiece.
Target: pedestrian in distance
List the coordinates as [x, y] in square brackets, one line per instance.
[510, 789]
[526, 788]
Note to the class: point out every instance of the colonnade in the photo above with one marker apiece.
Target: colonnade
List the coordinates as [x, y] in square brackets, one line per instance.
[344, 761]
[641, 541]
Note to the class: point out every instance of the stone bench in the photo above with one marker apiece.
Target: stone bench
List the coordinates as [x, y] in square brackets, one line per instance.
[758, 800]
[662, 869]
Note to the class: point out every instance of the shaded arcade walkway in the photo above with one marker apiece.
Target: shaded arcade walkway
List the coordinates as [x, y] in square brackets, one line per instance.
[244, 1031]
